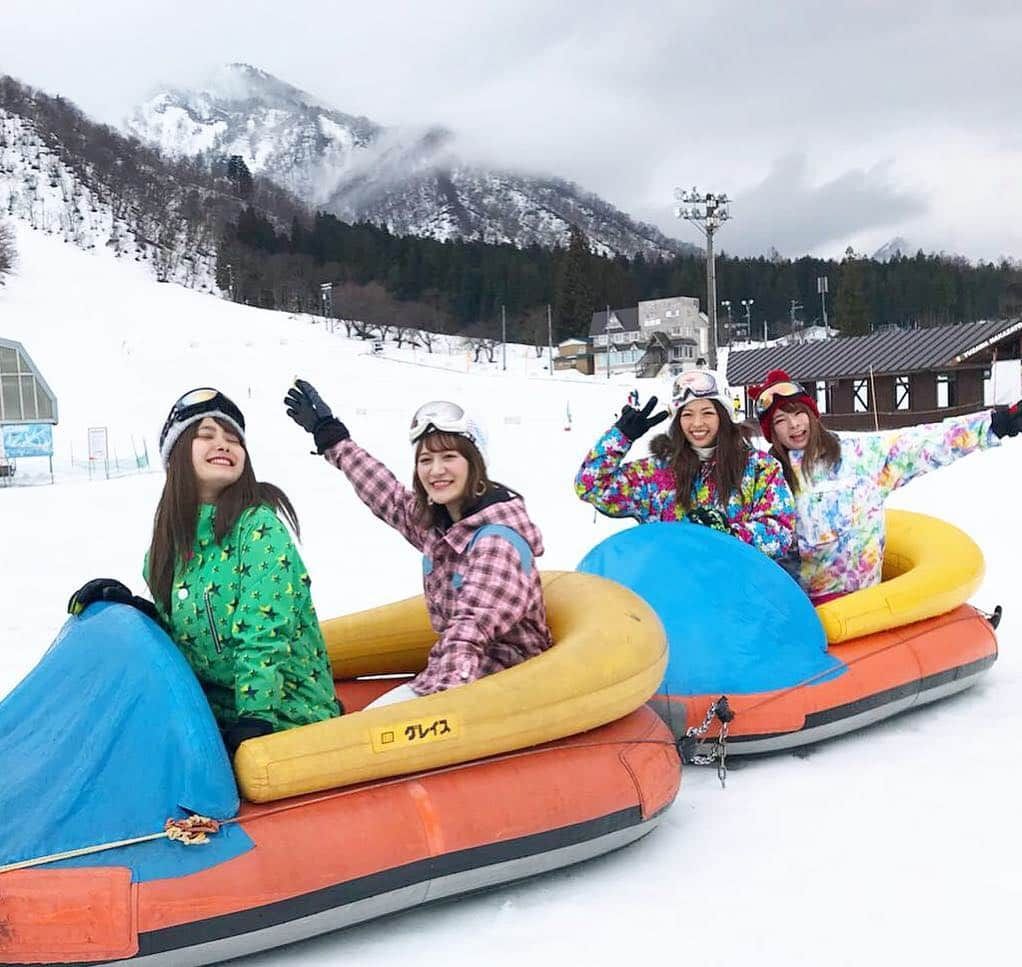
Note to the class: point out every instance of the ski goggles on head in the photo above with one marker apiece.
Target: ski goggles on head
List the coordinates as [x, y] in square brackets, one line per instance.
[196, 402]
[695, 384]
[439, 415]
[771, 394]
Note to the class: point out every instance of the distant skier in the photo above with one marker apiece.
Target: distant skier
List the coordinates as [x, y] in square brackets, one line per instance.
[478, 543]
[840, 483]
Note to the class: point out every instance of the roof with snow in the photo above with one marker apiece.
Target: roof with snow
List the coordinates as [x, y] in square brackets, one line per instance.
[889, 350]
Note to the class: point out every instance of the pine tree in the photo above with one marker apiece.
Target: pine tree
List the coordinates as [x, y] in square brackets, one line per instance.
[573, 291]
[239, 176]
[851, 313]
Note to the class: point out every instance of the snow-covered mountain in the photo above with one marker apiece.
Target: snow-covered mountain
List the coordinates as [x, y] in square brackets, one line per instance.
[896, 247]
[409, 180]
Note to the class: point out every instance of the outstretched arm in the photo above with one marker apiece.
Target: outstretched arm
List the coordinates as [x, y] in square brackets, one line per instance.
[767, 519]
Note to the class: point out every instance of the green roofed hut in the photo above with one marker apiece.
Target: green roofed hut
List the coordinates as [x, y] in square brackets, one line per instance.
[28, 410]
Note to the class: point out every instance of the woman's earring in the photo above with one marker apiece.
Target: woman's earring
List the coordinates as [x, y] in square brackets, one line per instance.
[480, 488]
[429, 500]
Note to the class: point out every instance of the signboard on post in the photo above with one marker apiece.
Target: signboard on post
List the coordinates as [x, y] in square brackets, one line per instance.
[98, 449]
[27, 440]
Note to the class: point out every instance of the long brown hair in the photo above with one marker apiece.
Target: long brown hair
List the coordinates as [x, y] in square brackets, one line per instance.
[728, 462]
[477, 484]
[177, 514]
[823, 448]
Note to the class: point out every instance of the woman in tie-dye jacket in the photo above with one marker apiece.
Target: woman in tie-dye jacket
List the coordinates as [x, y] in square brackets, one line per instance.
[840, 483]
[703, 470]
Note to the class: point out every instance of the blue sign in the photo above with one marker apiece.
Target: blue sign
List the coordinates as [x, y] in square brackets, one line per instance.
[28, 440]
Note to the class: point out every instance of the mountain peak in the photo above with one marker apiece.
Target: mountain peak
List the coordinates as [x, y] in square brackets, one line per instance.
[409, 180]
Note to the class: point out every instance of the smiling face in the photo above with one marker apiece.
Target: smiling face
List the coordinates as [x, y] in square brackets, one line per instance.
[218, 459]
[700, 422]
[444, 476]
[790, 427]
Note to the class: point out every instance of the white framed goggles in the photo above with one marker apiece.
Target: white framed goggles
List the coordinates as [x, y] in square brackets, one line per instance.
[694, 384]
[784, 390]
[442, 416]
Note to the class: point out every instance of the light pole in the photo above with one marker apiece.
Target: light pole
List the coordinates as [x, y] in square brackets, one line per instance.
[822, 288]
[726, 303]
[503, 337]
[708, 211]
[326, 296]
[748, 304]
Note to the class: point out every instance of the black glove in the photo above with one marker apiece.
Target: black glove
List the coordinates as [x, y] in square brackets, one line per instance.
[709, 517]
[1007, 422]
[243, 730]
[633, 423]
[107, 589]
[306, 407]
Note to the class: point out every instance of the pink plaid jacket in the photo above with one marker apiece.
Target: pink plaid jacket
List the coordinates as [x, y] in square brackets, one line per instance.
[485, 603]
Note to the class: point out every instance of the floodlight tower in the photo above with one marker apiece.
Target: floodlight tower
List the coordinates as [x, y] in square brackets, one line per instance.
[708, 212]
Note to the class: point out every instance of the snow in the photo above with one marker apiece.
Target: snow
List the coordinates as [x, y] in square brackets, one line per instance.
[897, 844]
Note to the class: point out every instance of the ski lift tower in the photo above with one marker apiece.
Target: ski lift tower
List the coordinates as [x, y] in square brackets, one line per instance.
[708, 211]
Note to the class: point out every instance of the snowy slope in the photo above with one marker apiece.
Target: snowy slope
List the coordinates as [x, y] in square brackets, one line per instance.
[897, 845]
[38, 187]
[409, 180]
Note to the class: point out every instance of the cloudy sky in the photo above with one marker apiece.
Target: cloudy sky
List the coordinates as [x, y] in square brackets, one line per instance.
[829, 123]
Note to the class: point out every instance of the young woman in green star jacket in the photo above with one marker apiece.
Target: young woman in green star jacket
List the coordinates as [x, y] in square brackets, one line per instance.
[229, 585]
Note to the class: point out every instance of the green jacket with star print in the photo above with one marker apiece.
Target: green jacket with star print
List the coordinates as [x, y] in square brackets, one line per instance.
[242, 615]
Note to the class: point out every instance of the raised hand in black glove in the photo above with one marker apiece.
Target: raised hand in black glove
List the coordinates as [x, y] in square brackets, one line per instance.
[709, 517]
[1007, 422]
[244, 729]
[306, 407]
[107, 589]
[633, 423]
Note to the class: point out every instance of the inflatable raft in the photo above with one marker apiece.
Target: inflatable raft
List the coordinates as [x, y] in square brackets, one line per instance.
[739, 626]
[110, 737]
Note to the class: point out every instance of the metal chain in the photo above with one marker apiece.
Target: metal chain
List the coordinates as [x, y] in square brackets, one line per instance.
[718, 710]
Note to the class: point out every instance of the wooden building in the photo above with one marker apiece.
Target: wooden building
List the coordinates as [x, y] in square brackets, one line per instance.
[892, 377]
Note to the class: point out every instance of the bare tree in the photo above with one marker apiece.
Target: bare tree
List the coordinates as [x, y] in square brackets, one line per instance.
[7, 250]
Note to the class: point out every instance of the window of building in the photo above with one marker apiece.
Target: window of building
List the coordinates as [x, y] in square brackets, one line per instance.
[947, 389]
[902, 393]
[860, 396]
[600, 340]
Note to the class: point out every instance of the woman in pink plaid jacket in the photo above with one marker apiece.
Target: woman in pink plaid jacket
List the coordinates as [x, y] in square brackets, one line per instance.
[477, 541]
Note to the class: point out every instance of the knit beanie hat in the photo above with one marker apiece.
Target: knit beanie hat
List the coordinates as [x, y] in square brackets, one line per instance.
[778, 388]
[193, 407]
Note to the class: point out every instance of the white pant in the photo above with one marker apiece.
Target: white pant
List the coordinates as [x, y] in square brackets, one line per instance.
[402, 693]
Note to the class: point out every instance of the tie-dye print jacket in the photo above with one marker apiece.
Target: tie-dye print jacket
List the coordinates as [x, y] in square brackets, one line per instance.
[761, 513]
[840, 523]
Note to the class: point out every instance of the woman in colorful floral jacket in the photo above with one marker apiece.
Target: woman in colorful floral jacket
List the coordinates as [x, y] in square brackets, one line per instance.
[702, 470]
[479, 545]
[841, 483]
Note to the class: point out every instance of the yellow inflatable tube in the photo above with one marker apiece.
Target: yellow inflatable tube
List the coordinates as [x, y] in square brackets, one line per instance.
[608, 657]
[930, 567]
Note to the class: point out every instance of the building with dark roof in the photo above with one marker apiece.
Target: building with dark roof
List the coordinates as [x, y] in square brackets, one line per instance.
[892, 377]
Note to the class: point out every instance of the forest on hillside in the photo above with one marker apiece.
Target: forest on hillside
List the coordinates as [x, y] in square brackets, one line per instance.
[462, 287]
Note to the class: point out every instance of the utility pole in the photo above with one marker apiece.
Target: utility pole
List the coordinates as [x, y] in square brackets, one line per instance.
[748, 304]
[549, 340]
[795, 306]
[503, 336]
[708, 211]
[821, 287]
